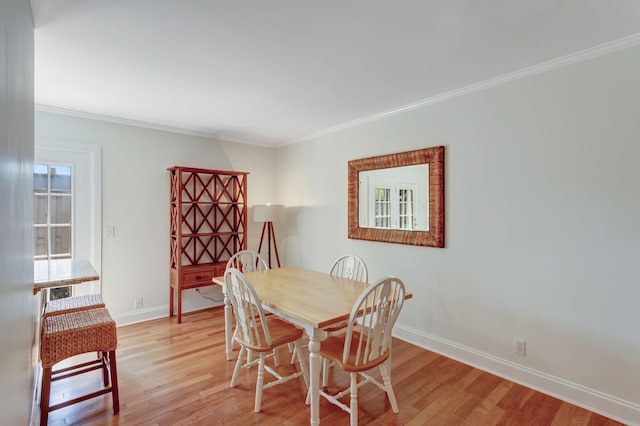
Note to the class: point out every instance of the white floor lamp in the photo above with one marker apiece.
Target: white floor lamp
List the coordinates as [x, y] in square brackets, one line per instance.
[268, 213]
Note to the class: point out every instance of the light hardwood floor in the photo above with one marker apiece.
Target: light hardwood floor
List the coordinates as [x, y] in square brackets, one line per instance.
[174, 374]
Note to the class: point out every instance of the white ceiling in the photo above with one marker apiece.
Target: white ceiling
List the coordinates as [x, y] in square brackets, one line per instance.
[276, 71]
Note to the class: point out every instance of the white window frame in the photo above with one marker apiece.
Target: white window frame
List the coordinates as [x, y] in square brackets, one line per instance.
[48, 225]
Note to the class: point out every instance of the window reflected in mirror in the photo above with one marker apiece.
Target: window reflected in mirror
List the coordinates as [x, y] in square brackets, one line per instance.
[394, 198]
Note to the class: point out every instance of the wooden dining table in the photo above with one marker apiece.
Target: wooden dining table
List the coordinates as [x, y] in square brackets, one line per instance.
[312, 300]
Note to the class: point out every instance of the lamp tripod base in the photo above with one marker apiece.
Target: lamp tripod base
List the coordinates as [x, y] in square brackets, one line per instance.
[267, 228]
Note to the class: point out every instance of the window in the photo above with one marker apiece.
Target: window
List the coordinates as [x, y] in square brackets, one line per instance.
[394, 207]
[53, 224]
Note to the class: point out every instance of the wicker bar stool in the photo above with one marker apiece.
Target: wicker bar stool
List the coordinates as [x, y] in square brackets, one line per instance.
[73, 304]
[65, 335]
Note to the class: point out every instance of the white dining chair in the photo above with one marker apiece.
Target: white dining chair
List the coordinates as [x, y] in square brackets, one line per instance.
[259, 334]
[247, 261]
[346, 266]
[366, 343]
[244, 261]
[350, 266]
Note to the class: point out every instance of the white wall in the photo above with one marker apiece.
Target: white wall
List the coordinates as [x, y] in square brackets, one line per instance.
[17, 303]
[542, 236]
[135, 199]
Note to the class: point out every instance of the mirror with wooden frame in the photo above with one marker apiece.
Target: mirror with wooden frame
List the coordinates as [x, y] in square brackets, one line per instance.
[398, 198]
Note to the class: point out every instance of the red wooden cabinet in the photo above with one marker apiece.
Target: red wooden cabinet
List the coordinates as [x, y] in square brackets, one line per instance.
[207, 224]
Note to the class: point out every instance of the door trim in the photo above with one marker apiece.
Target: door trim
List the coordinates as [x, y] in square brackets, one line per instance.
[95, 156]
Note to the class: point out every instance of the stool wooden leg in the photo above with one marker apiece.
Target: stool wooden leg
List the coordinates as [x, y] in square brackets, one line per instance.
[114, 382]
[45, 394]
[105, 371]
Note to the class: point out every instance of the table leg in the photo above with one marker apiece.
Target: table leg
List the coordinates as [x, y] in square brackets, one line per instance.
[314, 377]
[228, 324]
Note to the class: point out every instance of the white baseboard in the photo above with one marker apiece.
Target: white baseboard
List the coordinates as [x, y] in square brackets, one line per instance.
[591, 399]
[148, 314]
[141, 315]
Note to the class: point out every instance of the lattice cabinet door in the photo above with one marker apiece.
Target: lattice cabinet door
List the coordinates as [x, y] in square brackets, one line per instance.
[208, 224]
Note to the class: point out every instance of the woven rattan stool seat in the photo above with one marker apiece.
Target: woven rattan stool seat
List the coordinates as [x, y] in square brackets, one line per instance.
[72, 304]
[73, 333]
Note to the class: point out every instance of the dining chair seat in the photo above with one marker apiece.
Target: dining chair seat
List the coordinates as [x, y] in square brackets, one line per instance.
[281, 332]
[333, 350]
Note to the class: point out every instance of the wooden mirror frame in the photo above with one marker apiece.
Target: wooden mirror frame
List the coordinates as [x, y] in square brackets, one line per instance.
[434, 237]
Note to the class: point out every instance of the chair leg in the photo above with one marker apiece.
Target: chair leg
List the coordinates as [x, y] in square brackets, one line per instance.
[259, 383]
[229, 335]
[45, 394]
[105, 370]
[276, 357]
[236, 369]
[353, 407]
[292, 350]
[115, 396]
[297, 349]
[325, 372]
[385, 369]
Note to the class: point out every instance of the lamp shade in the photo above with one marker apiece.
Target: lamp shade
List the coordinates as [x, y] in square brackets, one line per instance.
[268, 212]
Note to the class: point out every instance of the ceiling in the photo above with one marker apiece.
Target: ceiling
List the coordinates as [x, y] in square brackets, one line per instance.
[274, 72]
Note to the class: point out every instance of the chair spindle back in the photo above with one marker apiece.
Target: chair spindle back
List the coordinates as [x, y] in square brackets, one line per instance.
[371, 321]
[350, 266]
[250, 318]
[247, 261]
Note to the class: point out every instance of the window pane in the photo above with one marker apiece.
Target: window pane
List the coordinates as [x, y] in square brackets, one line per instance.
[60, 179]
[40, 247]
[60, 240]
[60, 209]
[382, 207]
[405, 207]
[40, 178]
[40, 209]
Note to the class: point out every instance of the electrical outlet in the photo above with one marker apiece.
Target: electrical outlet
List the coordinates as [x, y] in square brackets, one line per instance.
[520, 346]
[138, 302]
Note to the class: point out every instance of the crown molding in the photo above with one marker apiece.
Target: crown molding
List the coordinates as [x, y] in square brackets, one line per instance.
[217, 135]
[580, 56]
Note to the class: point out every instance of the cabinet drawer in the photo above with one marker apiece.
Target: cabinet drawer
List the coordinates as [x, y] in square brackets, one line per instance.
[197, 278]
[218, 270]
